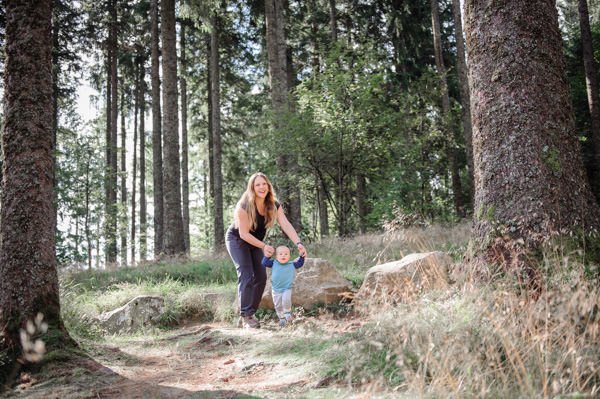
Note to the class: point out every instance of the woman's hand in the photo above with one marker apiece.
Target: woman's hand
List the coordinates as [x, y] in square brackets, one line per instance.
[268, 250]
[301, 250]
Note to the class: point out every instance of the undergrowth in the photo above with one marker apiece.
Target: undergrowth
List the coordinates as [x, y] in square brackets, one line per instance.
[471, 339]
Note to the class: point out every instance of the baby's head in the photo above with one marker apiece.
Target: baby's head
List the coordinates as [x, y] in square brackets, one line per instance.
[282, 254]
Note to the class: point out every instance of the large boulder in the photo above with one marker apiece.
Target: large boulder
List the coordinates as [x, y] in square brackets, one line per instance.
[315, 282]
[140, 312]
[401, 280]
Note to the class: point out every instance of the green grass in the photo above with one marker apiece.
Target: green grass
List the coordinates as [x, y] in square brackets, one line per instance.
[468, 340]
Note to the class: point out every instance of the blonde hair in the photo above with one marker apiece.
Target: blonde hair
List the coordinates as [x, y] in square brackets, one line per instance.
[248, 203]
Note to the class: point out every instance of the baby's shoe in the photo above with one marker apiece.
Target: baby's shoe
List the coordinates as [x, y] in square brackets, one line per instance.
[282, 322]
[288, 317]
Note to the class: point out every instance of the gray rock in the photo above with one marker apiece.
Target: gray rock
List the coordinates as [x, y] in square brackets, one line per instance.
[140, 312]
[400, 281]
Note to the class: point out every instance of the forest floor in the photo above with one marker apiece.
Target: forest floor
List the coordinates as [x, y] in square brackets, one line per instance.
[202, 360]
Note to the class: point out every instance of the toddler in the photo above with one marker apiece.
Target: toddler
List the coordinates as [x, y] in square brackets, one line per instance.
[282, 280]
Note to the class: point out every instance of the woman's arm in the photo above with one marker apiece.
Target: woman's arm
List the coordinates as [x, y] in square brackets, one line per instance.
[244, 228]
[288, 229]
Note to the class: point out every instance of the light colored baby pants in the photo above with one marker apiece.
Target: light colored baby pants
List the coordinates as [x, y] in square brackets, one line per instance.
[282, 302]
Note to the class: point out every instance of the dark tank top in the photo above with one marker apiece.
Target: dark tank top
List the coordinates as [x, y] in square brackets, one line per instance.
[259, 232]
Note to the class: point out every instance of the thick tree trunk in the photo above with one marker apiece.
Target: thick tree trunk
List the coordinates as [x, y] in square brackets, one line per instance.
[29, 282]
[185, 186]
[459, 203]
[174, 243]
[465, 101]
[157, 162]
[216, 134]
[143, 207]
[591, 80]
[55, 93]
[529, 176]
[123, 176]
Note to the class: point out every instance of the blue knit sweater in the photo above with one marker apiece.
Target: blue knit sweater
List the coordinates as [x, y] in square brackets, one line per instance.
[282, 277]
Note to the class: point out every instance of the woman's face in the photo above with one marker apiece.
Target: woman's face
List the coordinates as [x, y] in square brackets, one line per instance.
[261, 188]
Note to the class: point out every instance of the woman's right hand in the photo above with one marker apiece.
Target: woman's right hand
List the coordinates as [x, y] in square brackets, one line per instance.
[268, 250]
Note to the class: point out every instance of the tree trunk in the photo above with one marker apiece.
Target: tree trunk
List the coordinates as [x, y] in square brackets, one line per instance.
[174, 243]
[361, 206]
[123, 176]
[111, 246]
[529, 175]
[398, 42]
[29, 283]
[295, 209]
[279, 81]
[216, 133]
[136, 107]
[88, 235]
[142, 135]
[591, 80]
[108, 152]
[185, 186]
[157, 163]
[333, 20]
[55, 94]
[209, 199]
[320, 194]
[459, 203]
[322, 205]
[465, 100]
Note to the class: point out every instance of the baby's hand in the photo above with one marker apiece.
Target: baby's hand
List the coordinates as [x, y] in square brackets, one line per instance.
[301, 250]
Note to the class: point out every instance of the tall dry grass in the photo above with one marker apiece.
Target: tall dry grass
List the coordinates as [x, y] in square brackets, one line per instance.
[353, 256]
[476, 339]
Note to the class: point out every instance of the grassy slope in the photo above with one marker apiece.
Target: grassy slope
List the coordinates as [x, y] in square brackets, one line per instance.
[470, 340]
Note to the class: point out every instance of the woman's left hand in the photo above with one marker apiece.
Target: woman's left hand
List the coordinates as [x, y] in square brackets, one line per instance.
[301, 250]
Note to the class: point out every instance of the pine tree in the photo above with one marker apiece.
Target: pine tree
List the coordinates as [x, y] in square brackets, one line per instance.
[529, 176]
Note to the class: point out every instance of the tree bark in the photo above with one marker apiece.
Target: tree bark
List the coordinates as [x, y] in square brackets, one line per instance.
[88, 234]
[361, 206]
[173, 240]
[136, 107]
[157, 162]
[279, 85]
[322, 205]
[29, 283]
[591, 80]
[123, 176]
[108, 151]
[529, 175]
[216, 133]
[142, 135]
[185, 186]
[465, 100]
[333, 20]
[111, 246]
[459, 203]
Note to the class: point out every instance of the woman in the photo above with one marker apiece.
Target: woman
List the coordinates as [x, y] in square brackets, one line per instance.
[255, 212]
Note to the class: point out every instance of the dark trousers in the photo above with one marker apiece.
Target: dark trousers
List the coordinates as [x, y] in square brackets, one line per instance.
[252, 275]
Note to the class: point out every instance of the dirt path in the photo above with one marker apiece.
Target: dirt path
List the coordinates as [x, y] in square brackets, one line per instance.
[213, 360]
